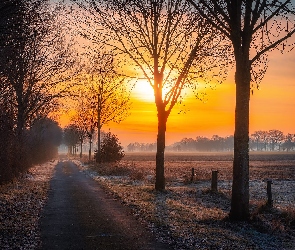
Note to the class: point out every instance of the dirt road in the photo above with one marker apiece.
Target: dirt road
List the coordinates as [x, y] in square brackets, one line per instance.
[79, 215]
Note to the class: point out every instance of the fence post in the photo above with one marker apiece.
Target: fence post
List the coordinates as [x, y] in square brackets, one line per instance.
[214, 180]
[193, 174]
[269, 193]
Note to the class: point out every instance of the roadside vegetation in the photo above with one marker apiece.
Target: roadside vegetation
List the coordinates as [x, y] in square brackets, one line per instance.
[39, 145]
[21, 202]
[34, 59]
[189, 215]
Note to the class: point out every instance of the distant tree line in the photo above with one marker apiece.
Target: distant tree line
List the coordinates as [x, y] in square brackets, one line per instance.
[216, 143]
[272, 140]
[141, 147]
[110, 148]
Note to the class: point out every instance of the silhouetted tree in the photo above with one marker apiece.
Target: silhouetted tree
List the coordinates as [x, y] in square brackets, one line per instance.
[257, 27]
[104, 95]
[275, 138]
[83, 121]
[171, 47]
[71, 137]
[289, 142]
[33, 60]
[259, 137]
[44, 137]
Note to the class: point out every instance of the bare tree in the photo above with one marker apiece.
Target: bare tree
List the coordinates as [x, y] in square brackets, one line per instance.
[275, 137]
[167, 44]
[289, 142]
[8, 10]
[254, 29]
[35, 60]
[258, 137]
[104, 95]
[71, 138]
[84, 121]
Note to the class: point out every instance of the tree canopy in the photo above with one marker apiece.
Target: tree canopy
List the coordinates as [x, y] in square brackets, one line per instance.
[167, 43]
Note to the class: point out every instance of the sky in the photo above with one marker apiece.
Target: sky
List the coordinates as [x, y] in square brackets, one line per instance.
[271, 107]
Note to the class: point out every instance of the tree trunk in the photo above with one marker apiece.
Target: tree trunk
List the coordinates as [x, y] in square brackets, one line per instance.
[98, 156]
[90, 142]
[81, 142]
[160, 157]
[240, 187]
[257, 145]
[20, 120]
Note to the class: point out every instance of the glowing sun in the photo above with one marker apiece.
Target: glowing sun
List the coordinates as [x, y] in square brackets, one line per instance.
[144, 91]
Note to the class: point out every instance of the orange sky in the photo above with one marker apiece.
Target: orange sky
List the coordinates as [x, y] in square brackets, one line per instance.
[272, 107]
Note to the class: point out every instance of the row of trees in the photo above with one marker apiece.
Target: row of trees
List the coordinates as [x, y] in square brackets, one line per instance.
[272, 140]
[216, 143]
[40, 144]
[40, 66]
[34, 59]
[175, 44]
[110, 147]
[141, 147]
[103, 97]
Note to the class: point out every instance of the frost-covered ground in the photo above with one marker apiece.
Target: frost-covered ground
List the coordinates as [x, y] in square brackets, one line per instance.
[190, 216]
[20, 205]
[187, 215]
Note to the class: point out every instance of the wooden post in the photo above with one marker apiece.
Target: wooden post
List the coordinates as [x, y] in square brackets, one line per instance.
[193, 175]
[214, 180]
[269, 194]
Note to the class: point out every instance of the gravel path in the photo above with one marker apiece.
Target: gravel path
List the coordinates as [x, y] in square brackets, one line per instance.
[79, 215]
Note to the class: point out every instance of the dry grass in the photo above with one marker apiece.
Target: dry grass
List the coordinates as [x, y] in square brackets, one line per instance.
[20, 206]
[189, 216]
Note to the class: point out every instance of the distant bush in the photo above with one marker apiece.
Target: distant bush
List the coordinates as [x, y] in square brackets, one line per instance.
[43, 139]
[111, 149]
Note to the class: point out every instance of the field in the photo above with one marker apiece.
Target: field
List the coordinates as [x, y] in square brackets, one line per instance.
[189, 215]
[279, 167]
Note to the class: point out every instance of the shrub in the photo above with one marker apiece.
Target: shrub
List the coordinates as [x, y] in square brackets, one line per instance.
[111, 149]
